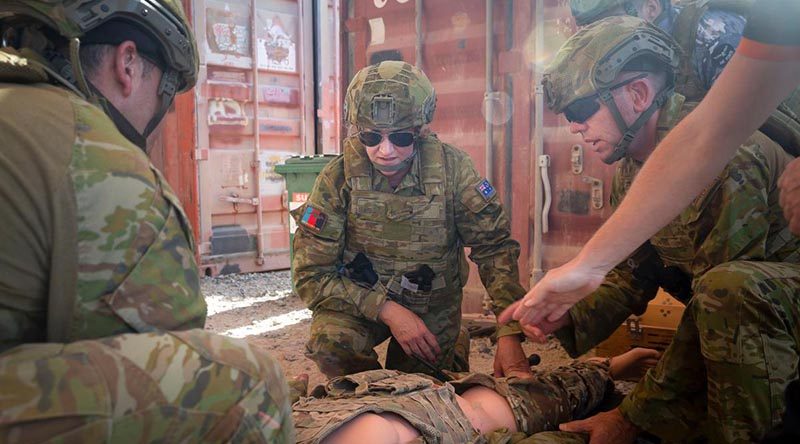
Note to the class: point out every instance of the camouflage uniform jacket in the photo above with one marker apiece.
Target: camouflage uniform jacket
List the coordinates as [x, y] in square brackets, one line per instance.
[468, 215]
[737, 217]
[93, 242]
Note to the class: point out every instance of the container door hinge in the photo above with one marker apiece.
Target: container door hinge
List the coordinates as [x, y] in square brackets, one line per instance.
[597, 191]
[577, 159]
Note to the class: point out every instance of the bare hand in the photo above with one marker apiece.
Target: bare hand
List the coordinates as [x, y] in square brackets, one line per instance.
[410, 332]
[789, 185]
[538, 333]
[551, 297]
[604, 428]
[510, 360]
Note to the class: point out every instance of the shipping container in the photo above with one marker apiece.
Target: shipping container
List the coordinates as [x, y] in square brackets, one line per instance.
[252, 108]
[261, 99]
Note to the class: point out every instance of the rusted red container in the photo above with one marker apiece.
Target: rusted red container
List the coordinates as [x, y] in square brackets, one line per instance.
[252, 108]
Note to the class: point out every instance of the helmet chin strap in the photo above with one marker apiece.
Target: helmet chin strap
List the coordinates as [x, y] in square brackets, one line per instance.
[629, 132]
[166, 90]
[123, 125]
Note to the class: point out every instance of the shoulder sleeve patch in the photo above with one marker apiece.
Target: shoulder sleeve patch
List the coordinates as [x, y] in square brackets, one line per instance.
[479, 196]
[486, 190]
[313, 219]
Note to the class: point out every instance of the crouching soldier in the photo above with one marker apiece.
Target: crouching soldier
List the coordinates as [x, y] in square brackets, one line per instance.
[410, 203]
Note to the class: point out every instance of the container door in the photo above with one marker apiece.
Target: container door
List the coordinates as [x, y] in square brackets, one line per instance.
[253, 111]
[579, 182]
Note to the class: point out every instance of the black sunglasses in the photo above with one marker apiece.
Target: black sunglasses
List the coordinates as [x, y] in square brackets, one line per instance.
[399, 138]
[581, 110]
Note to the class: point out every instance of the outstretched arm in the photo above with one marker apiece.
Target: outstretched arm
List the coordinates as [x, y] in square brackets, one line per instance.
[694, 153]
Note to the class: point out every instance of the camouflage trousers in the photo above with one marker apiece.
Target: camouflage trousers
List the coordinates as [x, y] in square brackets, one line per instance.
[539, 404]
[189, 386]
[736, 349]
[341, 344]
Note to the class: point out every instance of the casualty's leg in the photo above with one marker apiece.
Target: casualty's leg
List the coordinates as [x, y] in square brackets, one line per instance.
[552, 397]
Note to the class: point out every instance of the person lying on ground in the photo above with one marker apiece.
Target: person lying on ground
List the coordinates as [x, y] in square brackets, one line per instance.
[388, 406]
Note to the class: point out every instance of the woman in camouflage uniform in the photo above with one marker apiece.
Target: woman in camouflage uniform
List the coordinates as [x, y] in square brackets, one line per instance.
[379, 249]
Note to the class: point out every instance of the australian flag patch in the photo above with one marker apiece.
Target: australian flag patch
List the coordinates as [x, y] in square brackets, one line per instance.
[486, 189]
[313, 218]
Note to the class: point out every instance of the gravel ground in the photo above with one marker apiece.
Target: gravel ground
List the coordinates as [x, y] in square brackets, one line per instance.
[261, 308]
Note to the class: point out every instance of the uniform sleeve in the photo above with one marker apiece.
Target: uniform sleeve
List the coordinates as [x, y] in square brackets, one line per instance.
[626, 290]
[318, 251]
[734, 220]
[483, 225]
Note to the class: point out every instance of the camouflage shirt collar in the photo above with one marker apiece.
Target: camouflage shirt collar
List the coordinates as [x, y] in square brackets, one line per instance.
[671, 113]
[410, 180]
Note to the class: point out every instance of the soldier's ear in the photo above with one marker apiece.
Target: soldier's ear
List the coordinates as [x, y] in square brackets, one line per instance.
[127, 66]
[641, 94]
[651, 9]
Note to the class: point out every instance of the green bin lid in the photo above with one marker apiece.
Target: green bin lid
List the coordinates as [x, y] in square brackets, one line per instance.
[304, 164]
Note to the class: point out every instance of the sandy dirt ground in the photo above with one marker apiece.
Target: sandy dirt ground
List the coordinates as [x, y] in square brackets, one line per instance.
[261, 308]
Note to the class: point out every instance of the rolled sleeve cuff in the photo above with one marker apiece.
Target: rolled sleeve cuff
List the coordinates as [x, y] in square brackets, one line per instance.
[372, 299]
[511, 328]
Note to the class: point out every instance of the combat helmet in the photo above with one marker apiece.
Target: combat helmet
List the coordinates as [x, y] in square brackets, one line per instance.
[588, 11]
[588, 63]
[390, 95]
[163, 22]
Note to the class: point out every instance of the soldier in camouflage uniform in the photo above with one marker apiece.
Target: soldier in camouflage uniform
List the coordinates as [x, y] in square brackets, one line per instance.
[736, 348]
[708, 32]
[94, 243]
[405, 204]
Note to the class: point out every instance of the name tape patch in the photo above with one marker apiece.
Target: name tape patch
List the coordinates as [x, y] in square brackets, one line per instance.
[313, 218]
[486, 189]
